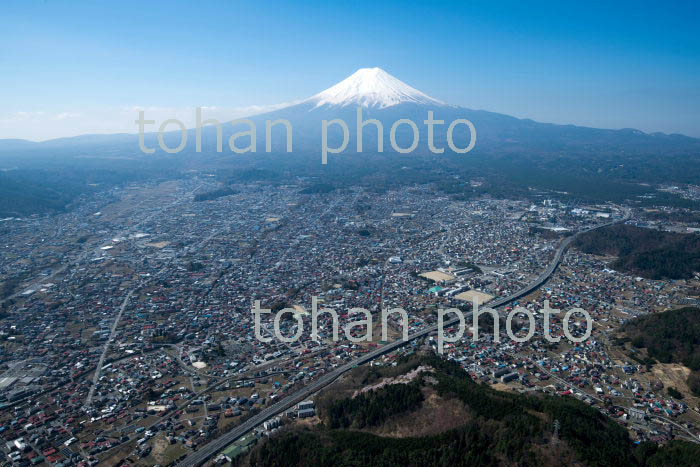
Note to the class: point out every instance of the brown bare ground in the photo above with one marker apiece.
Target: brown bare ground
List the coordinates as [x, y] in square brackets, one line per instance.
[673, 375]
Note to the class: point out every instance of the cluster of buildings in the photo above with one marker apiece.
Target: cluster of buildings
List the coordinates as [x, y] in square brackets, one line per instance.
[127, 332]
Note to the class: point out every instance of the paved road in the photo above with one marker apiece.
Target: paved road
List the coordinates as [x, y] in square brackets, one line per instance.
[217, 445]
[105, 349]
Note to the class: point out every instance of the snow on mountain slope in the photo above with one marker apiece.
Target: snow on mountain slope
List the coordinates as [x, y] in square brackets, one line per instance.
[371, 87]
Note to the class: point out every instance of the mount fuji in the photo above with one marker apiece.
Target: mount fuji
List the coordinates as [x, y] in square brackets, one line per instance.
[512, 156]
[372, 88]
[386, 99]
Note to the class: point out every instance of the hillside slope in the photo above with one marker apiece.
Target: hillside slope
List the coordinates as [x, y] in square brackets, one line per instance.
[499, 429]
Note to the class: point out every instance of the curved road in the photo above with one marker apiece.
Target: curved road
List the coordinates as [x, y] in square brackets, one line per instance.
[217, 445]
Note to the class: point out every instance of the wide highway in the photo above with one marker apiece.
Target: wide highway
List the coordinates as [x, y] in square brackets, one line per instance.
[213, 447]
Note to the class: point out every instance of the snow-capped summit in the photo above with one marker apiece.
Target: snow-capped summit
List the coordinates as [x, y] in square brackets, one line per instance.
[371, 87]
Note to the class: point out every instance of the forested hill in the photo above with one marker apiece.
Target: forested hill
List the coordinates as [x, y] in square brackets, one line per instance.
[670, 337]
[45, 187]
[498, 428]
[649, 253]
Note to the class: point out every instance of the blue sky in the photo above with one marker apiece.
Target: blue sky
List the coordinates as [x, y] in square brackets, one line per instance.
[68, 68]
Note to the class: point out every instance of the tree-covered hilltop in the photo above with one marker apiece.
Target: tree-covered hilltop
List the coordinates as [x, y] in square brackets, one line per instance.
[500, 429]
[670, 337]
[374, 408]
[215, 194]
[650, 253]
